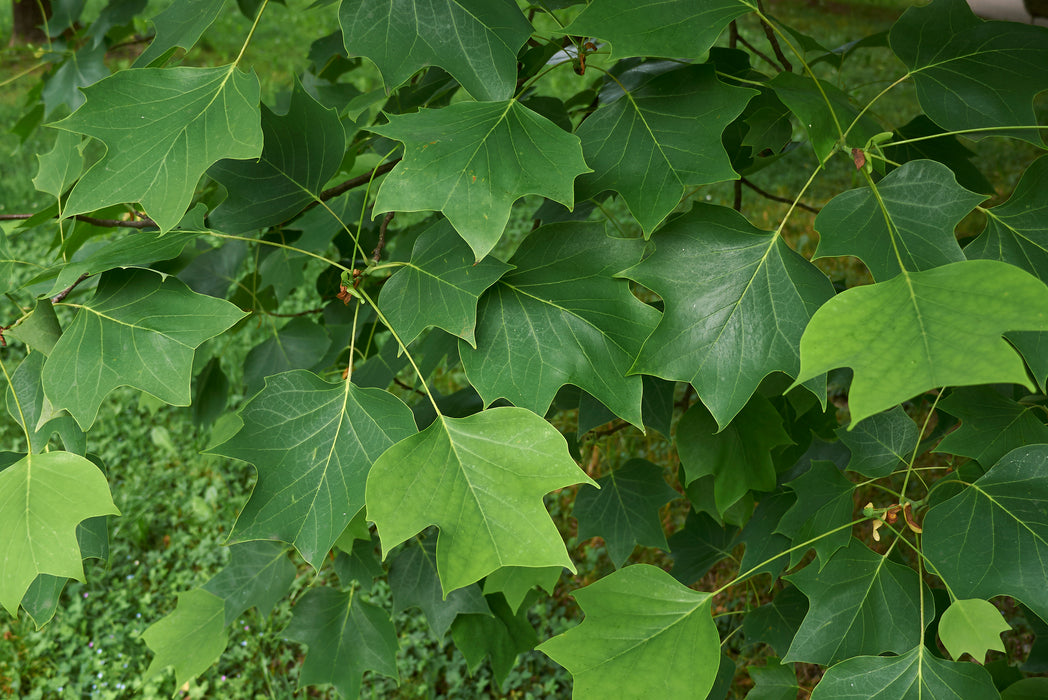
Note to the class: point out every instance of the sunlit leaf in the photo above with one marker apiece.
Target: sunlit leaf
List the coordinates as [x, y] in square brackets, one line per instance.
[190, 638]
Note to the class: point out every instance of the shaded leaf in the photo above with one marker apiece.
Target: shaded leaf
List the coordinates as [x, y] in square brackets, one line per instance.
[472, 160]
[972, 626]
[824, 504]
[28, 405]
[881, 442]
[257, 575]
[515, 582]
[180, 24]
[637, 621]
[190, 638]
[776, 623]
[312, 443]
[774, 681]
[992, 425]
[500, 636]
[346, 636]
[42, 500]
[80, 69]
[1026, 689]
[299, 344]
[42, 597]
[763, 543]
[922, 330]
[480, 479]
[61, 166]
[162, 129]
[700, 544]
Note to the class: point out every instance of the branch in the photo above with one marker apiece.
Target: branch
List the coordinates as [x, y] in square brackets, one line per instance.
[65, 292]
[777, 198]
[382, 236]
[757, 52]
[354, 182]
[144, 222]
[773, 40]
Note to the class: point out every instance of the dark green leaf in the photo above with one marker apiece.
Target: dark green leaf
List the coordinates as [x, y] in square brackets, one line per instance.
[501, 636]
[41, 599]
[992, 425]
[181, 24]
[776, 623]
[258, 575]
[763, 543]
[80, 69]
[299, 344]
[698, 546]
[774, 681]
[824, 504]
[881, 443]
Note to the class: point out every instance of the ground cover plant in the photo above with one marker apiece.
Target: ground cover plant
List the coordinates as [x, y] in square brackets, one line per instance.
[476, 263]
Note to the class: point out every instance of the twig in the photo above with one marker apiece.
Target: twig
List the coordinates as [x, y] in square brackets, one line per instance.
[317, 310]
[65, 292]
[736, 203]
[760, 54]
[382, 236]
[733, 34]
[354, 182]
[773, 40]
[144, 222]
[777, 198]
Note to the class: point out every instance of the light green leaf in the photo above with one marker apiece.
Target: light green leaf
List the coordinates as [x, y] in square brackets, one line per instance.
[42, 500]
[738, 457]
[881, 443]
[474, 40]
[439, 287]
[60, 166]
[922, 330]
[515, 582]
[657, 133]
[258, 575]
[972, 626]
[346, 636]
[638, 620]
[906, 221]
[162, 129]
[664, 28]
[303, 149]
[414, 582]
[824, 503]
[312, 443]
[737, 300]
[480, 479]
[625, 511]
[992, 538]
[972, 74]
[915, 675]
[190, 638]
[562, 318]
[139, 330]
[181, 24]
[861, 603]
[472, 160]
[992, 425]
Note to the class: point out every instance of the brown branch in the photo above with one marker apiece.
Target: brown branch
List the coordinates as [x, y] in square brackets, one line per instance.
[382, 236]
[354, 182]
[317, 310]
[733, 34]
[736, 203]
[777, 198]
[760, 54]
[773, 40]
[144, 222]
[65, 292]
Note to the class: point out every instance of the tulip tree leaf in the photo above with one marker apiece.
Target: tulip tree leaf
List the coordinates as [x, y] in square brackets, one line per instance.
[312, 443]
[737, 301]
[738, 457]
[415, 584]
[992, 425]
[637, 621]
[824, 503]
[992, 538]
[774, 681]
[625, 511]
[139, 330]
[501, 636]
[861, 603]
[700, 544]
[969, 73]
[43, 497]
[302, 151]
[346, 636]
[480, 479]
[881, 442]
[776, 623]
[658, 137]
[922, 330]
[258, 575]
[908, 221]
[476, 41]
[515, 582]
[673, 29]
[562, 318]
[472, 160]
[763, 543]
[162, 129]
[190, 638]
[972, 626]
[181, 24]
[915, 675]
[28, 405]
[299, 344]
[60, 166]
[439, 287]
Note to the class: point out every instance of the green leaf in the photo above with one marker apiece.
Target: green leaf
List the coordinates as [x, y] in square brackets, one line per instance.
[515, 582]
[737, 300]
[414, 582]
[80, 69]
[501, 636]
[668, 29]
[40, 330]
[658, 133]
[474, 40]
[42, 499]
[763, 544]
[625, 511]
[162, 129]
[140, 330]
[346, 636]
[971, 74]
[905, 221]
[972, 626]
[303, 149]
[312, 443]
[257, 575]
[181, 24]
[915, 675]
[638, 620]
[7, 264]
[1026, 689]
[439, 287]
[922, 330]
[992, 425]
[190, 638]
[472, 160]
[881, 442]
[824, 503]
[41, 599]
[776, 623]
[28, 405]
[700, 544]
[774, 681]
[738, 457]
[992, 538]
[562, 318]
[480, 479]
[60, 166]
[298, 344]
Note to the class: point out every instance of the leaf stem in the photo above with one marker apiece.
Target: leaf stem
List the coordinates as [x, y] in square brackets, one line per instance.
[251, 33]
[18, 405]
[961, 132]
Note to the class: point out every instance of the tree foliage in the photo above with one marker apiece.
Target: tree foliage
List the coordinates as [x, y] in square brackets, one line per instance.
[408, 295]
